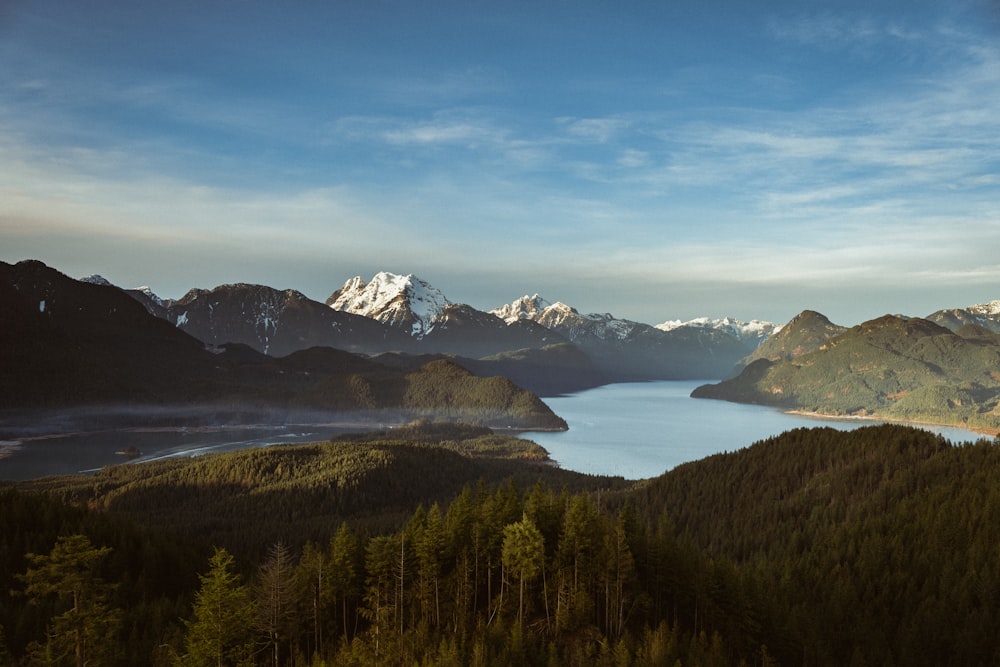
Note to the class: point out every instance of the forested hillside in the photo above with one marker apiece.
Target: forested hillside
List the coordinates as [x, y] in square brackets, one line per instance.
[816, 547]
[892, 367]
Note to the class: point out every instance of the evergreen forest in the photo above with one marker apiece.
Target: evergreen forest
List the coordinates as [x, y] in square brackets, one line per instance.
[443, 544]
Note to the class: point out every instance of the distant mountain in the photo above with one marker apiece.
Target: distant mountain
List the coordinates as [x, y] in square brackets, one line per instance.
[404, 302]
[625, 350]
[414, 307]
[70, 344]
[893, 367]
[275, 322]
[403, 313]
[547, 371]
[751, 333]
[985, 315]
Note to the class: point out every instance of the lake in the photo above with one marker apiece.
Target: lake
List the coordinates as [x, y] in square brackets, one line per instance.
[633, 430]
[640, 430]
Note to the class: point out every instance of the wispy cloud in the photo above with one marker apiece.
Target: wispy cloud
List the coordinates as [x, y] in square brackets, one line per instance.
[600, 130]
[451, 127]
[828, 31]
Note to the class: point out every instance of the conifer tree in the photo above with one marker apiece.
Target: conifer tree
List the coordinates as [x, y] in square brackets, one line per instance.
[86, 632]
[524, 555]
[221, 631]
[346, 567]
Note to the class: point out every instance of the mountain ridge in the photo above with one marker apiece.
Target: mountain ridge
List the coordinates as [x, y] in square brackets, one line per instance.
[892, 367]
[69, 344]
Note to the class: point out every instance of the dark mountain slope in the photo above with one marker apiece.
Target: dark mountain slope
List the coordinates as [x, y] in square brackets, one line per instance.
[467, 332]
[71, 344]
[277, 322]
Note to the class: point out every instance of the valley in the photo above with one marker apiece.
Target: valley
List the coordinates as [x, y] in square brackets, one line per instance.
[413, 527]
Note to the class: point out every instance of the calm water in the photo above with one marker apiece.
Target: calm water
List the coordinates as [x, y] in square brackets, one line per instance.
[635, 430]
[641, 430]
[29, 458]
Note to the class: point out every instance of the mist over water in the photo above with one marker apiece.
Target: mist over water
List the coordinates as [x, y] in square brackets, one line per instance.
[632, 430]
[641, 430]
[87, 439]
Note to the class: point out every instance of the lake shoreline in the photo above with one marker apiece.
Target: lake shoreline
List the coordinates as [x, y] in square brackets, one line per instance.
[877, 418]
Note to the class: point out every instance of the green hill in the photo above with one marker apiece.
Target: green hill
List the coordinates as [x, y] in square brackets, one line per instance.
[894, 368]
[803, 333]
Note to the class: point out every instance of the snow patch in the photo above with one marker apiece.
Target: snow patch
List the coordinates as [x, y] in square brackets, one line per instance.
[149, 294]
[991, 308]
[525, 308]
[97, 280]
[402, 301]
[753, 332]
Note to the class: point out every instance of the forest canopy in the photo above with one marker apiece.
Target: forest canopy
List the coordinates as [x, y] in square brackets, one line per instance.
[816, 547]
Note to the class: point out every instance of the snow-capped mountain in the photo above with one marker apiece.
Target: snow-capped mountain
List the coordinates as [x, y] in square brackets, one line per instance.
[567, 320]
[405, 302]
[986, 315]
[627, 350]
[96, 279]
[149, 295]
[752, 333]
[525, 308]
[414, 307]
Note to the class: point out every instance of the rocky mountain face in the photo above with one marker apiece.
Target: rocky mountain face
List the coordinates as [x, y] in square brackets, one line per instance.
[435, 325]
[275, 322]
[403, 313]
[625, 350]
[751, 333]
[403, 302]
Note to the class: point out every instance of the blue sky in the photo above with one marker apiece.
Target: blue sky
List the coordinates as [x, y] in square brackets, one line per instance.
[658, 160]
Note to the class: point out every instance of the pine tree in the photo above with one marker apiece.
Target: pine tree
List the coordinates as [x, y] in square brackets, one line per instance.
[524, 555]
[221, 631]
[346, 566]
[87, 630]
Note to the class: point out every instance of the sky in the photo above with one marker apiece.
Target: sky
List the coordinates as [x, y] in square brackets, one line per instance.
[655, 160]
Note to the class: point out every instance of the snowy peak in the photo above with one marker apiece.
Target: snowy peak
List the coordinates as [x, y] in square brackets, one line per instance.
[985, 315]
[405, 302]
[149, 294]
[539, 310]
[525, 308]
[752, 333]
[565, 319]
[96, 279]
[991, 308]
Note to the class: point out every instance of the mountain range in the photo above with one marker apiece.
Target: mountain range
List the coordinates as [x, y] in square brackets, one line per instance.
[82, 342]
[893, 367]
[393, 313]
[91, 352]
